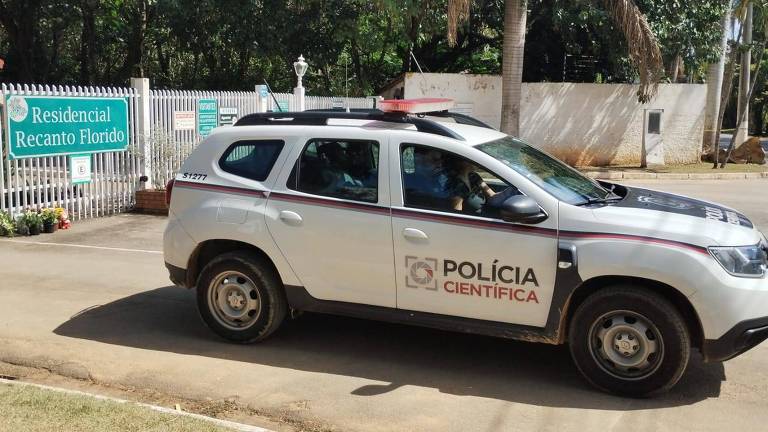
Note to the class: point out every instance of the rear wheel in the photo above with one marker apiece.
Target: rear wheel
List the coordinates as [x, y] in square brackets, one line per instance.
[240, 297]
[630, 341]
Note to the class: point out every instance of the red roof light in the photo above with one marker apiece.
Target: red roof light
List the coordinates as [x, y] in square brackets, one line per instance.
[415, 106]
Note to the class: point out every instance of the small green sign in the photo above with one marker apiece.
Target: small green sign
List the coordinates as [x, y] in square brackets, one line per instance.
[207, 116]
[280, 106]
[51, 125]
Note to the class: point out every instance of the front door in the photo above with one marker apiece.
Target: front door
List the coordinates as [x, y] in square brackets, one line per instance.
[653, 145]
[454, 255]
[331, 220]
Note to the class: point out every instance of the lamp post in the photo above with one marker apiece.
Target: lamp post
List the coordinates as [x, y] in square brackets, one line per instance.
[300, 67]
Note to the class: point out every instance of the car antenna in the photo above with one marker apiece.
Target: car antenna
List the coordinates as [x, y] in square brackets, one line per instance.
[269, 89]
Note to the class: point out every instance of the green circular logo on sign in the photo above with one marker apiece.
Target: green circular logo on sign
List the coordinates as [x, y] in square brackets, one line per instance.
[17, 109]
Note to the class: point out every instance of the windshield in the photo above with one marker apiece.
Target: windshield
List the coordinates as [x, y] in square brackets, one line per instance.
[557, 178]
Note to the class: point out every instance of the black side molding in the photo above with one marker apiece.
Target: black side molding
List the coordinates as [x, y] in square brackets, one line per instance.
[741, 338]
[300, 299]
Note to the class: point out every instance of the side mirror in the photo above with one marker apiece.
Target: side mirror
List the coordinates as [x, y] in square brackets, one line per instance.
[521, 209]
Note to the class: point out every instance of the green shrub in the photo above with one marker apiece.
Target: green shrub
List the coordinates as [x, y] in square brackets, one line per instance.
[7, 225]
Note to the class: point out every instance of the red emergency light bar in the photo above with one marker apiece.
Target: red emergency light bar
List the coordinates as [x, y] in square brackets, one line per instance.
[415, 106]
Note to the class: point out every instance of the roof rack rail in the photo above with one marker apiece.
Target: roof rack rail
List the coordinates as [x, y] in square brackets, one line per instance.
[320, 118]
[457, 117]
[460, 118]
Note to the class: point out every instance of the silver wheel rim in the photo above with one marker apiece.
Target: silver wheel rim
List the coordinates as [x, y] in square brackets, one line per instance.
[626, 345]
[234, 300]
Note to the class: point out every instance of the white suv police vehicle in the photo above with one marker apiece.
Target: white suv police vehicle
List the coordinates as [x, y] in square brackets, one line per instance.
[396, 217]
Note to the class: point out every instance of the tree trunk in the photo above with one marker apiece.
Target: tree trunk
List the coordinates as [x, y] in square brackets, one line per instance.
[674, 69]
[715, 74]
[515, 15]
[742, 127]
[748, 96]
[725, 94]
[87, 42]
[133, 67]
[757, 112]
[22, 28]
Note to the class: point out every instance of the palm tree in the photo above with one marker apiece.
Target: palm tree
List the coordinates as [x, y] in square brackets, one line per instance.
[515, 17]
[643, 50]
[715, 76]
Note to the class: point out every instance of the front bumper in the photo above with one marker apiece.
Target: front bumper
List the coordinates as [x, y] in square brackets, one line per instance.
[738, 340]
[177, 275]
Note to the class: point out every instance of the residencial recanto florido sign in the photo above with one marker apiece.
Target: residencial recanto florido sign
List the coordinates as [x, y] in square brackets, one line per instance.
[50, 126]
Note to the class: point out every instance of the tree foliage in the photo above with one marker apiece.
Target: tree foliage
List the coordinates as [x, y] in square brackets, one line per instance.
[357, 45]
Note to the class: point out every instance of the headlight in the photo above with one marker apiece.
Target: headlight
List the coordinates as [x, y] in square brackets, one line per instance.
[742, 261]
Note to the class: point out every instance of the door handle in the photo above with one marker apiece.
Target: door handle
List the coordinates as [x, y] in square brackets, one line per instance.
[290, 218]
[415, 234]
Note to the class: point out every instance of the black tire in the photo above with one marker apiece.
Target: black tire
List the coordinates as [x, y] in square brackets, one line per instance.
[606, 315]
[259, 279]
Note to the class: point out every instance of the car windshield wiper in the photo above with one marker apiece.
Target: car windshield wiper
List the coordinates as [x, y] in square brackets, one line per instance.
[607, 200]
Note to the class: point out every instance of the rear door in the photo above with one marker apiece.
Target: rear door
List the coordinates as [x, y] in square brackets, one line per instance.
[329, 215]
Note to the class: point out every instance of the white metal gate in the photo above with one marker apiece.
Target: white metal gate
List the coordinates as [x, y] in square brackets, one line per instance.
[170, 147]
[45, 181]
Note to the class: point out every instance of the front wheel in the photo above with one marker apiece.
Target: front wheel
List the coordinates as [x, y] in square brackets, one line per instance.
[240, 297]
[630, 341]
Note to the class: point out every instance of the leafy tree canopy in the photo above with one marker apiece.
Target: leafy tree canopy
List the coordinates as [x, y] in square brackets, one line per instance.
[354, 45]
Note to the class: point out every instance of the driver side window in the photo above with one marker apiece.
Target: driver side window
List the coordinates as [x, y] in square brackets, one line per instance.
[434, 179]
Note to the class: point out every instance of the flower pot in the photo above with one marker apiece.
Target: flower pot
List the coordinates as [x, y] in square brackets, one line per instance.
[35, 229]
[50, 228]
[22, 230]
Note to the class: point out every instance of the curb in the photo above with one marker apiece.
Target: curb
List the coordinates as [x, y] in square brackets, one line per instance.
[223, 423]
[622, 175]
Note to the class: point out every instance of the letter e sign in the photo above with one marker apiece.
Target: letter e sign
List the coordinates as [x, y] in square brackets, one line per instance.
[80, 168]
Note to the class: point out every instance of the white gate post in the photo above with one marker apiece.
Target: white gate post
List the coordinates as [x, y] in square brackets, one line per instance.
[298, 99]
[143, 118]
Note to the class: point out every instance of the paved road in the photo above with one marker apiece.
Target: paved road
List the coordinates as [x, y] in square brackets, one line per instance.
[111, 314]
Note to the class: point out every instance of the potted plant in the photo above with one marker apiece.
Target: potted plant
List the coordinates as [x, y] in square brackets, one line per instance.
[7, 225]
[22, 228]
[33, 221]
[50, 220]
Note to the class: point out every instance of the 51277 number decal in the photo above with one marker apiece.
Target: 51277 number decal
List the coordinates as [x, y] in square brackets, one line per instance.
[194, 176]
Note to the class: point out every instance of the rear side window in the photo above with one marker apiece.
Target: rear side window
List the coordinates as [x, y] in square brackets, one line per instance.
[347, 169]
[252, 159]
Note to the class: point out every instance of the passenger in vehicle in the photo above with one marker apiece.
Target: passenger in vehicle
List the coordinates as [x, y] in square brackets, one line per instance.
[335, 163]
[467, 190]
[361, 165]
[426, 186]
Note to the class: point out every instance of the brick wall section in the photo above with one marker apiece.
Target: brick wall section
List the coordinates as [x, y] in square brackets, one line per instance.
[151, 201]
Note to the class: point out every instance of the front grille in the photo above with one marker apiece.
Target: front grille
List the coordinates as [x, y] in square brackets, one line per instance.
[764, 247]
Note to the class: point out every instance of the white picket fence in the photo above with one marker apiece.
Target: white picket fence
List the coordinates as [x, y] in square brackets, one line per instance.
[157, 151]
[288, 101]
[45, 181]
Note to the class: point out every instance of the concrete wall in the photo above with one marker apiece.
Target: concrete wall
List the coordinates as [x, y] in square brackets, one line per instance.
[582, 124]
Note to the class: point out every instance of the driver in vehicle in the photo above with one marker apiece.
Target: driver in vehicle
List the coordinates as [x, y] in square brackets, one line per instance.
[466, 189]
